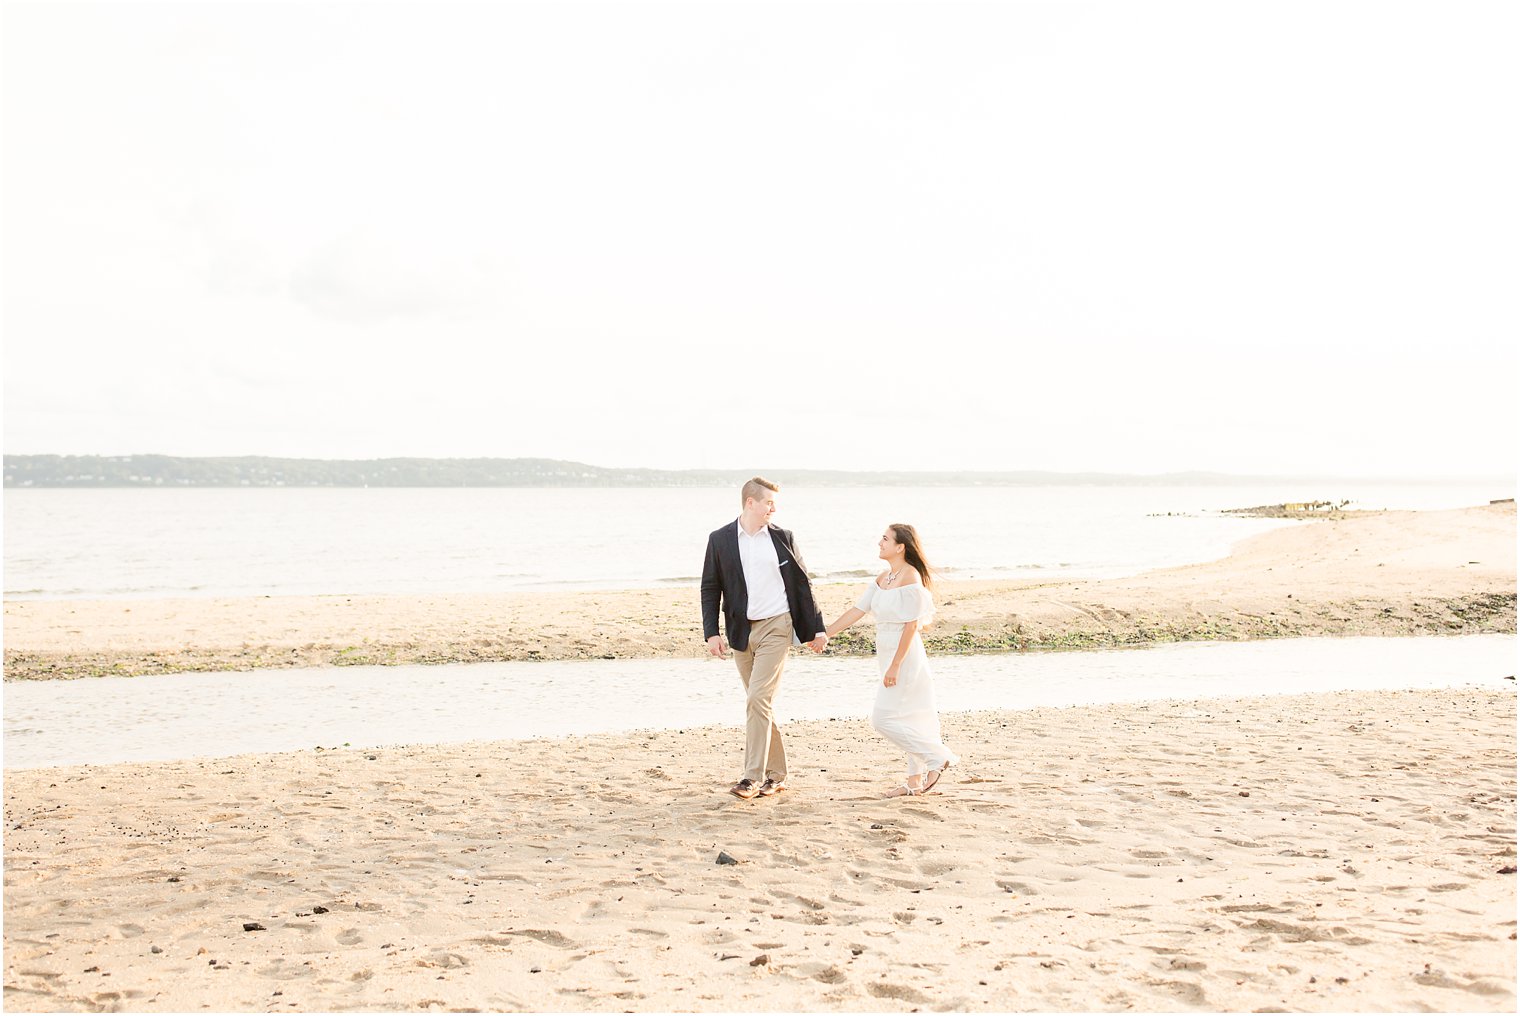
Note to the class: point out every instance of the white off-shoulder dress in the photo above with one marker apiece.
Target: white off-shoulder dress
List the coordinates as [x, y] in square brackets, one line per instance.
[905, 713]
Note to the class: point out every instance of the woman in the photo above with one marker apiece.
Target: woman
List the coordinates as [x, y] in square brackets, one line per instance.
[904, 712]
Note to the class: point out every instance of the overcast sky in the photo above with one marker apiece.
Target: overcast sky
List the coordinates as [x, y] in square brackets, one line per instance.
[1129, 236]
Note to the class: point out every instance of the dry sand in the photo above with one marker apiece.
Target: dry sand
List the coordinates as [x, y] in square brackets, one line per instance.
[1342, 851]
[1384, 573]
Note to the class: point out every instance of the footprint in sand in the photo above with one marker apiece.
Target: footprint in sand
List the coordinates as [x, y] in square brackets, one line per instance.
[1432, 978]
[546, 936]
[1449, 887]
[919, 812]
[1253, 908]
[1192, 994]
[1290, 932]
[901, 992]
[811, 904]
[350, 936]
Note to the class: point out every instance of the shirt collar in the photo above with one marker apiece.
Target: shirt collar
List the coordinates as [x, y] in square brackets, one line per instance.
[739, 526]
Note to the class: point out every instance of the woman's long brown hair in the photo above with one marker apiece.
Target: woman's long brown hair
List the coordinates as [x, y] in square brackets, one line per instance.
[908, 537]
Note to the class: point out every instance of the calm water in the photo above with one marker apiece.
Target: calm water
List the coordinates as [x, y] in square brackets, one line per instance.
[105, 720]
[161, 543]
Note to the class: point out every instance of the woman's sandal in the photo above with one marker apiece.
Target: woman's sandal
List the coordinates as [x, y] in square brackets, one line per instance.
[904, 791]
[933, 778]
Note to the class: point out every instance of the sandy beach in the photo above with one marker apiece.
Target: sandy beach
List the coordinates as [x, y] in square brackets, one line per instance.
[1383, 573]
[1342, 851]
[1324, 852]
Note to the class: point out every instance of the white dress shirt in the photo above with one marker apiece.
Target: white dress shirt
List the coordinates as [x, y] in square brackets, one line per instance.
[762, 574]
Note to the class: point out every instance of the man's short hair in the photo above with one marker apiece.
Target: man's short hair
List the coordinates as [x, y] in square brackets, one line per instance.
[756, 488]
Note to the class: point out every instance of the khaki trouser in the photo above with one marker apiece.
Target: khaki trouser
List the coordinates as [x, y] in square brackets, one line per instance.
[760, 666]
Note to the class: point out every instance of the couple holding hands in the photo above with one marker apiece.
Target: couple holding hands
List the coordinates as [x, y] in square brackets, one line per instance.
[753, 576]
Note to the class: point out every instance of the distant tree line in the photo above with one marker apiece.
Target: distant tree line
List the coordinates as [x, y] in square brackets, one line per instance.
[263, 471]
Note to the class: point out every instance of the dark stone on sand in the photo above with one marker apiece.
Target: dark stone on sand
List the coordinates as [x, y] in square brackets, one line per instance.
[759, 961]
[724, 858]
[173, 878]
[319, 910]
[253, 926]
[155, 950]
[1508, 869]
[535, 970]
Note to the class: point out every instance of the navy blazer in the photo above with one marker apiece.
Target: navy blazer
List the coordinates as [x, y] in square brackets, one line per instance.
[723, 583]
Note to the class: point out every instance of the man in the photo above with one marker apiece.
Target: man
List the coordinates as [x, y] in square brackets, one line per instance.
[752, 569]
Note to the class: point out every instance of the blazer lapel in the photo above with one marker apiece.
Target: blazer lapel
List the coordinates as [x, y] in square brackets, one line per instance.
[731, 545]
[783, 552]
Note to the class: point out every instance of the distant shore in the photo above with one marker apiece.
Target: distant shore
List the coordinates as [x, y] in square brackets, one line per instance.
[1383, 573]
[146, 472]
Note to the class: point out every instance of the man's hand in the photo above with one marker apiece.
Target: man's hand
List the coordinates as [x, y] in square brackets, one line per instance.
[818, 643]
[717, 646]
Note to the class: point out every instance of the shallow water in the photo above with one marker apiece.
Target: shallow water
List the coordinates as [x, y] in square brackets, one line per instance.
[86, 544]
[110, 719]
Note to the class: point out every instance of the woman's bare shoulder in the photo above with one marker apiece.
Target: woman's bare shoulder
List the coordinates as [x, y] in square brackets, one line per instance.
[911, 577]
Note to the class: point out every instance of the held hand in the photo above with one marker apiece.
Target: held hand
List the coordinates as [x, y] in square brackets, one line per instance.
[818, 643]
[717, 646]
[890, 680]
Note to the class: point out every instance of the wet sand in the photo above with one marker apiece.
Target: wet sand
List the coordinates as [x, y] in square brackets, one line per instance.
[1383, 573]
[1346, 851]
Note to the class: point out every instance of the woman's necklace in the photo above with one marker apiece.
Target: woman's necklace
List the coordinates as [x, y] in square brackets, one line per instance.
[891, 577]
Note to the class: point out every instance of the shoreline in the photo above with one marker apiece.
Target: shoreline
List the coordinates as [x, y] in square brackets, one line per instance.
[1386, 573]
[1343, 851]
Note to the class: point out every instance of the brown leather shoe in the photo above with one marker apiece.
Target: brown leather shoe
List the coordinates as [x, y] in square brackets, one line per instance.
[744, 789]
[770, 787]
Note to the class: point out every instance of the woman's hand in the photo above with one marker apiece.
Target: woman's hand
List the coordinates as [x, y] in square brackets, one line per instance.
[890, 680]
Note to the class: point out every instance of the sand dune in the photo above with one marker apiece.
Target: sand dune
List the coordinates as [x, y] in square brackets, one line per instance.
[1383, 573]
[1326, 852]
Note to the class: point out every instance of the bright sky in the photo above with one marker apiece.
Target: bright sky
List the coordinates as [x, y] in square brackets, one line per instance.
[1128, 236]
